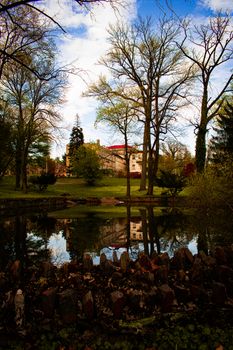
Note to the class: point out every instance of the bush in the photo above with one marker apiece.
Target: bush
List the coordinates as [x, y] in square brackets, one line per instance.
[173, 182]
[41, 182]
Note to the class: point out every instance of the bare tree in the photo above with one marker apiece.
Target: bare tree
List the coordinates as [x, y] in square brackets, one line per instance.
[33, 101]
[18, 31]
[149, 63]
[120, 116]
[211, 48]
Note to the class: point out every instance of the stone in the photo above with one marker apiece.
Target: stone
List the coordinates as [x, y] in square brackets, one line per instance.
[219, 295]
[47, 269]
[167, 297]
[87, 262]
[134, 297]
[15, 270]
[164, 259]
[48, 302]
[67, 305]
[116, 277]
[182, 294]
[88, 305]
[220, 256]
[118, 303]
[144, 262]
[224, 273]
[196, 272]
[162, 274]
[115, 257]
[199, 294]
[124, 261]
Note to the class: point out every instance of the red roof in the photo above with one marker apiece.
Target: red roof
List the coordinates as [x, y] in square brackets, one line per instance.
[118, 147]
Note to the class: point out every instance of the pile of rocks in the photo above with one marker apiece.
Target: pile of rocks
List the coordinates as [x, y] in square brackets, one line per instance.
[117, 289]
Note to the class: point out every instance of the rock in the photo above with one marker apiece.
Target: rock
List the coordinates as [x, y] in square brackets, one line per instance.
[115, 257]
[87, 262]
[144, 262]
[15, 270]
[219, 295]
[220, 256]
[196, 272]
[88, 305]
[134, 299]
[19, 308]
[199, 294]
[207, 260]
[48, 301]
[118, 303]
[67, 305]
[182, 294]
[164, 259]
[116, 277]
[224, 273]
[124, 261]
[106, 265]
[47, 269]
[167, 297]
[161, 275]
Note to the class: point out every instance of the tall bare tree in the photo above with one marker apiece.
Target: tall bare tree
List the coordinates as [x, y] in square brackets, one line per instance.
[211, 49]
[148, 69]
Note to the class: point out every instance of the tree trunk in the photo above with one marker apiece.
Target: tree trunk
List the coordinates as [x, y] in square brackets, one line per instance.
[200, 156]
[201, 149]
[17, 167]
[24, 172]
[146, 138]
[153, 164]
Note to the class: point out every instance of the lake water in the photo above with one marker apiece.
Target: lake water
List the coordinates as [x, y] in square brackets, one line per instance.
[65, 235]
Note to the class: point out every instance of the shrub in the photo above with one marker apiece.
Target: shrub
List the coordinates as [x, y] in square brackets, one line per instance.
[41, 182]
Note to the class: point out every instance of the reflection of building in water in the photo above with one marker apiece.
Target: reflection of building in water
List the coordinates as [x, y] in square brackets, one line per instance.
[114, 234]
[136, 230]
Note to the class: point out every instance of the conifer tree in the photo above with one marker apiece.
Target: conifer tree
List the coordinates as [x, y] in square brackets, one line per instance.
[222, 143]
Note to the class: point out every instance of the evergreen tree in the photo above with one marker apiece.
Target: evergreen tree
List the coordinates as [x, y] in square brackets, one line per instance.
[76, 140]
[221, 146]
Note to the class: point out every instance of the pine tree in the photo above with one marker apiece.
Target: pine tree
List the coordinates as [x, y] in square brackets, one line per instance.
[76, 140]
[222, 143]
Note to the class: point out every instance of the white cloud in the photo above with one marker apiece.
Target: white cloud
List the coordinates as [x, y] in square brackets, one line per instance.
[218, 5]
[83, 45]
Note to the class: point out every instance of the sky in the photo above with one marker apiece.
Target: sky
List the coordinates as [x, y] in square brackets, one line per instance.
[85, 42]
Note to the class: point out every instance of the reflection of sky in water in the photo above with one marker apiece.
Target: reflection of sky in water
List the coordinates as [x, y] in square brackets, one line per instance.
[57, 246]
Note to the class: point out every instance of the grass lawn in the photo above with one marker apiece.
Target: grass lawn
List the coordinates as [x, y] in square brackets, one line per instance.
[107, 187]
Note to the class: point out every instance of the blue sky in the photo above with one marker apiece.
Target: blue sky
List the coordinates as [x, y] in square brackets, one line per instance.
[86, 41]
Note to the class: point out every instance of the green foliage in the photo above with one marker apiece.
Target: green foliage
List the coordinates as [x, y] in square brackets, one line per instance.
[76, 140]
[221, 145]
[173, 182]
[41, 182]
[87, 165]
[214, 188]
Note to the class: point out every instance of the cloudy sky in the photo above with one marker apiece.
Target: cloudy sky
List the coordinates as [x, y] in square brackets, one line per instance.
[85, 42]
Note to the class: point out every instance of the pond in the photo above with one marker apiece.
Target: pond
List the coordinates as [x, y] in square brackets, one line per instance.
[62, 236]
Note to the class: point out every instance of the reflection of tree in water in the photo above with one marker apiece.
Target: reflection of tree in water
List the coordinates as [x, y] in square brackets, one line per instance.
[212, 227]
[166, 231]
[18, 242]
[82, 234]
[7, 246]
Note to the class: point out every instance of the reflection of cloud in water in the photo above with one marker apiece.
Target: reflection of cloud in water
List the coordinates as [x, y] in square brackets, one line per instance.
[57, 246]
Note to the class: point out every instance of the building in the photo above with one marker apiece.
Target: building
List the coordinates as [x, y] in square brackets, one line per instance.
[113, 158]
